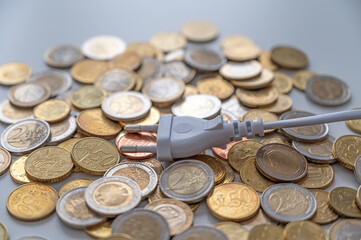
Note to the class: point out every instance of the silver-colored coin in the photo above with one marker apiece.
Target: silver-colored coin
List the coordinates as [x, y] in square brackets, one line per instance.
[200, 105]
[103, 47]
[10, 114]
[318, 152]
[26, 135]
[126, 106]
[241, 70]
[188, 181]
[204, 59]
[357, 170]
[112, 196]
[142, 224]
[179, 70]
[115, 80]
[327, 90]
[176, 55]
[150, 69]
[346, 229]
[139, 173]
[164, 91]
[29, 94]
[288, 202]
[58, 81]
[201, 232]
[63, 56]
[312, 133]
[62, 131]
[73, 211]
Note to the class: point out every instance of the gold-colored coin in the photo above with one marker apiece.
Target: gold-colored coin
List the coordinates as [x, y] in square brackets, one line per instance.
[289, 57]
[235, 40]
[300, 79]
[72, 184]
[233, 201]
[318, 176]
[229, 173]
[266, 62]
[17, 170]
[92, 122]
[5, 160]
[245, 52]
[281, 105]
[128, 60]
[255, 114]
[48, 164]
[324, 214]
[150, 162]
[215, 86]
[342, 200]
[32, 202]
[260, 218]
[282, 82]
[241, 152]
[151, 119]
[178, 215]
[266, 231]
[68, 144]
[143, 49]
[87, 97]
[4, 234]
[347, 149]
[263, 80]
[85, 71]
[190, 90]
[252, 177]
[14, 73]
[345, 229]
[10, 113]
[216, 165]
[199, 31]
[139, 82]
[168, 41]
[354, 125]
[100, 231]
[52, 111]
[257, 98]
[276, 139]
[299, 230]
[79, 135]
[234, 231]
[94, 155]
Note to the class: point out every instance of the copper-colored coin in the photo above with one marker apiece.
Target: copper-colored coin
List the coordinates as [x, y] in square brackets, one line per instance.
[282, 82]
[32, 202]
[266, 231]
[223, 153]
[304, 230]
[318, 176]
[92, 122]
[289, 57]
[150, 162]
[151, 119]
[216, 165]
[49, 164]
[168, 41]
[72, 184]
[300, 79]
[233, 201]
[342, 200]
[85, 71]
[241, 152]
[52, 111]
[129, 60]
[252, 177]
[143, 49]
[257, 98]
[265, 60]
[263, 80]
[199, 31]
[14, 73]
[276, 139]
[17, 170]
[234, 231]
[235, 40]
[28, 94]
[346, 150]
[245, 52]
[255, 114]
[94, 155]
[216, 87]
[5, 160]
[281, 163]
[140, 139]
[324, 214]
[281, 105]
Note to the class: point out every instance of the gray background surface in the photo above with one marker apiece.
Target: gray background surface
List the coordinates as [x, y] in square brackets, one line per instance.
[329, 32]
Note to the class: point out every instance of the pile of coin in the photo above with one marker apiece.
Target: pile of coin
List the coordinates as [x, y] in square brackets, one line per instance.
[59, 127]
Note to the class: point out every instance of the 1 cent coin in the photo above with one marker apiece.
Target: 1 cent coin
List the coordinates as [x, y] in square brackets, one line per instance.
[140, 139]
